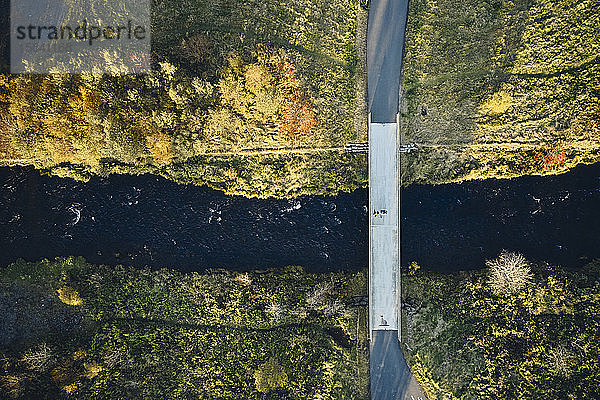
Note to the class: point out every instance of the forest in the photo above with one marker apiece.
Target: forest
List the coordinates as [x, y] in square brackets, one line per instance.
[500, 88]
[254, 98]
[516, 329]
[70, 329]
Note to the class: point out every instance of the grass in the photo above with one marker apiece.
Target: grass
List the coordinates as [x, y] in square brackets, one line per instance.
[494, 84]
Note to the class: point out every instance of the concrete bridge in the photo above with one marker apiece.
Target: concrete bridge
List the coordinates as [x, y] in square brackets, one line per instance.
[390, 375]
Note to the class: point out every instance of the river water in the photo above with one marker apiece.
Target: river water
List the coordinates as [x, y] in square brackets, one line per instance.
[147, 220]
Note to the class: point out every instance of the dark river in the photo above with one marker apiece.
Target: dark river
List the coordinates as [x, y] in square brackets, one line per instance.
[147, 220]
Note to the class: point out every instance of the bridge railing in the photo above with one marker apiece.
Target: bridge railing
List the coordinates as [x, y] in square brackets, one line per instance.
[363, 147]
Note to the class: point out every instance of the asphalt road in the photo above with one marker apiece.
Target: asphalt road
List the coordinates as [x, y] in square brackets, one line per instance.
[390, 376]
[385, 43]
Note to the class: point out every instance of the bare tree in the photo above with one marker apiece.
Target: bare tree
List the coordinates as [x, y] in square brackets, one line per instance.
[39, 358]
[561, 359]
[334, 307]
[509, 273]
[275, 310]
[319, 294]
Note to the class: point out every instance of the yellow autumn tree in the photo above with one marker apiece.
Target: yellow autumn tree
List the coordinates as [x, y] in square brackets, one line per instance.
[69, 296]
[159, 146]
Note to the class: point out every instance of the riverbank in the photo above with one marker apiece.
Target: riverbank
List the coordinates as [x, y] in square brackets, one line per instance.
[265, 109]
[71, 329]
[256, 99]
[500, 89]
[476, 335]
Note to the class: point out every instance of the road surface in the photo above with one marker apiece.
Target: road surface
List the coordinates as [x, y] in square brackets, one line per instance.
[391, 378]
[385, 43]
[383, 227]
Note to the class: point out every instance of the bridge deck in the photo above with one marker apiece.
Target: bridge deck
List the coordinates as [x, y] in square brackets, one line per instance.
[383, 227]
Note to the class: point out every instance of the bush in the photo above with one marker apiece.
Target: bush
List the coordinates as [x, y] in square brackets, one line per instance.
[509, 273]
[270, 376]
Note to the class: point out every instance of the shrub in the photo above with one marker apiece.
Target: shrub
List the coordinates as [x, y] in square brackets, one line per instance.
[509, 273]
[39, 358]
[269, 376]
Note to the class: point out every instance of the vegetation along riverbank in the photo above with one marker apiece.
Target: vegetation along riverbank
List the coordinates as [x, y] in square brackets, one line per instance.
[259, 98]
[516, 330]
[69, 329]
[254, 98]
[500, 88]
